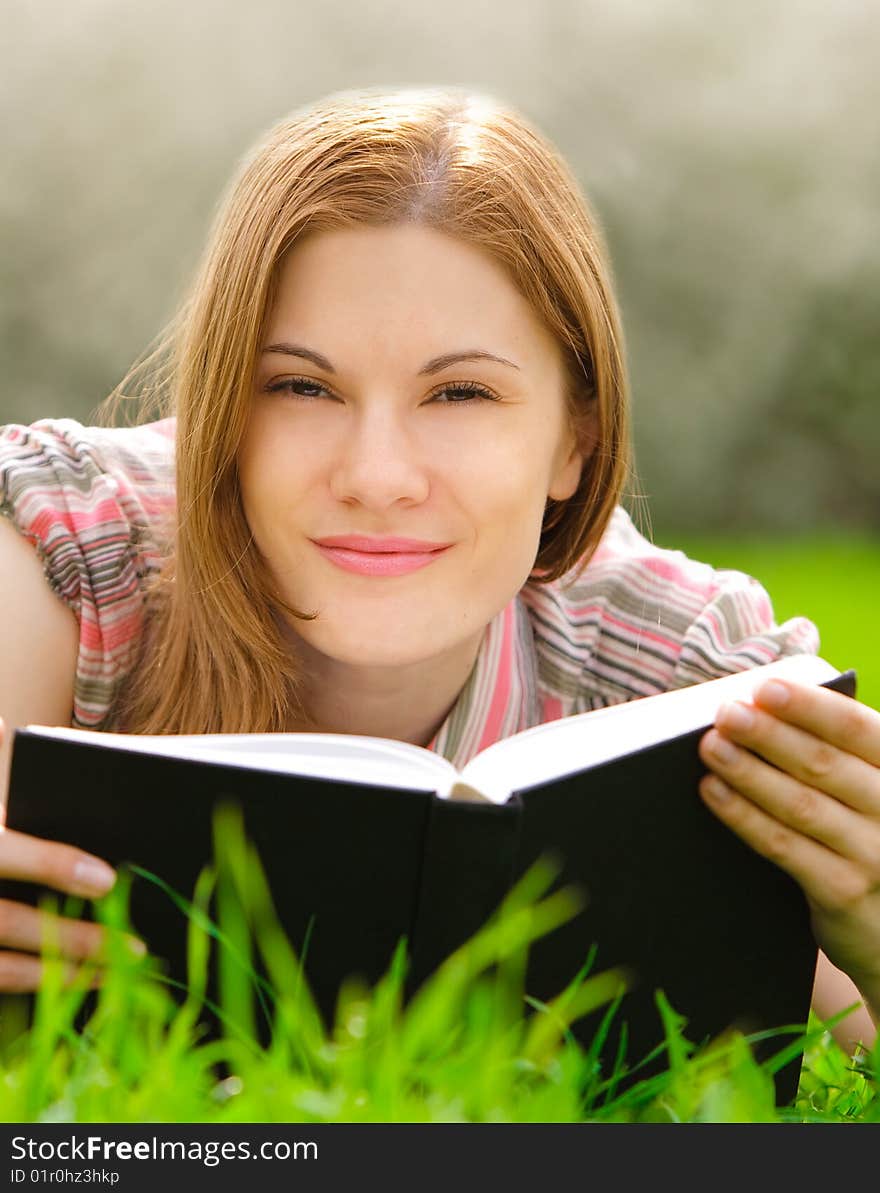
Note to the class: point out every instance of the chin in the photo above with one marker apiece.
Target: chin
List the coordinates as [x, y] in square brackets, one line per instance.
[372, 649]
[385, 657]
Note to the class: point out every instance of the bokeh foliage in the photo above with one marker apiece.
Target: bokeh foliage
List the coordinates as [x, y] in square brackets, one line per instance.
[730, 152]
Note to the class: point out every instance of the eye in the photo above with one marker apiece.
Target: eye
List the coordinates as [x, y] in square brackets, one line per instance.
[296, 387]
[470, 389]
[458, 393]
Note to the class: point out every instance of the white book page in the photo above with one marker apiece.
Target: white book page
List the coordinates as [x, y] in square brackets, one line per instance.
[374, 760]
[562, 747]
[547, 751]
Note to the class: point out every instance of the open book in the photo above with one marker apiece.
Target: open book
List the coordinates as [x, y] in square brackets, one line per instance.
[365, 840]
[527, 759]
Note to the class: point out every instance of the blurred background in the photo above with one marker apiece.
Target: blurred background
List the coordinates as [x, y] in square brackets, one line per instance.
[731, 153]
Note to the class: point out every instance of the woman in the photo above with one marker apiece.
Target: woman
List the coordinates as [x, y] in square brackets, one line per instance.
[317, 540]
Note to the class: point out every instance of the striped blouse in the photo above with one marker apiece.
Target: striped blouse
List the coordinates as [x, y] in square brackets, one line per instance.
[98, 506]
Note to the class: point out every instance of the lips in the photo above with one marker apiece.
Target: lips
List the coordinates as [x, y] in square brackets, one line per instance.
[379, 557]
[370, 544]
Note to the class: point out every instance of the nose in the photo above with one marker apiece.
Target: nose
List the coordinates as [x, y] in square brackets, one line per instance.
[378, 463]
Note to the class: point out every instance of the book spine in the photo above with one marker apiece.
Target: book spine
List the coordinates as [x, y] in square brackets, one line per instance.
[468, 866]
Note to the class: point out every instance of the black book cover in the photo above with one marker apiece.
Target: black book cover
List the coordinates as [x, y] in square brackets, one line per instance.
[674, 896]
[670, 892]
[343, 860]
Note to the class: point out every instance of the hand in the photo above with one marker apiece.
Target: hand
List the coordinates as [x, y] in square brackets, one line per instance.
[796, 775]
[23, 928]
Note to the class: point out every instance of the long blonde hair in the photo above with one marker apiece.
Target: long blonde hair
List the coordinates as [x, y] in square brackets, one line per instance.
[213, 657]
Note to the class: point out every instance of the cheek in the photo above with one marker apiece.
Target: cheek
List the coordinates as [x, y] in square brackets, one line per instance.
[251, 477]
[509, 482]
[507, 505]
[265, 480]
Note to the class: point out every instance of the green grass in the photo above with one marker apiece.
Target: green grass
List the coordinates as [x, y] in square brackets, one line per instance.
[470, 1047]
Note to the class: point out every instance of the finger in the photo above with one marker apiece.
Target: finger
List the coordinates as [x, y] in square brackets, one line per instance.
[63, 867]
[28, 929]
[792, 804]
[21, 973]
[809, 759]
[827, 879]
[838, 719]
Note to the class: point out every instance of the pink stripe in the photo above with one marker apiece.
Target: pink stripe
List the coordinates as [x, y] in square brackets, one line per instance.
[661, 566]
[94, 514]
[712, 619]
[491, 731]
[551, 709]
[722, 643]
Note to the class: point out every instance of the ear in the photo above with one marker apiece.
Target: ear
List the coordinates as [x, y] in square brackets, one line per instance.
[578, 445]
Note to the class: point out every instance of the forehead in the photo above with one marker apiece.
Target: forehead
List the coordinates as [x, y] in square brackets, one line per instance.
[406, 283]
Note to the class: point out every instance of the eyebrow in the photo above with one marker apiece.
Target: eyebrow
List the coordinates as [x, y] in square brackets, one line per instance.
[433, 366]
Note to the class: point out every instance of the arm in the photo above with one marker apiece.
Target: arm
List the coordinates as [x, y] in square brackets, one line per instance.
[38, 648]
[39, 639]
[833, 990]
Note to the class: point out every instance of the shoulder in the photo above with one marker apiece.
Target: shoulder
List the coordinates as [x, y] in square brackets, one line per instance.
[638, 619]
[38, 645]
[96, 504]
[60, 479]
[62, 458]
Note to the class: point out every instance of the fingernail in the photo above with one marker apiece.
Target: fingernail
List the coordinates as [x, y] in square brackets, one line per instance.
[722, 749]
[716, 789]
[93, 877]
[735, 716]
[136, 946]
[773, 694]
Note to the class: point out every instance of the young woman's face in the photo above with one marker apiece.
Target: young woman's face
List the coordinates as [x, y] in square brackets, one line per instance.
[374, 420]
